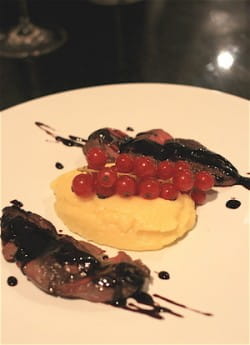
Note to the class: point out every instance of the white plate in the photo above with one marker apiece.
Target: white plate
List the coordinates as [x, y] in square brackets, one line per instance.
[208, 268]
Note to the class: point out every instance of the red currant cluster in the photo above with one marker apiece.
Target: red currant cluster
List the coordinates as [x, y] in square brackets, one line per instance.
[140, 175]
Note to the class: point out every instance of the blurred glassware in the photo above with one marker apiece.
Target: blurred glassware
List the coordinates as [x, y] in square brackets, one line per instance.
[27, 39]
[114, 2]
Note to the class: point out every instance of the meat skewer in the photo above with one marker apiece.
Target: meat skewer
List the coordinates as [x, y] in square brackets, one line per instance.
[161, 146]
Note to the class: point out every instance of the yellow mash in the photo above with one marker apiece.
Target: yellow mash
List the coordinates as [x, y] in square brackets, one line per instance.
[125, 223]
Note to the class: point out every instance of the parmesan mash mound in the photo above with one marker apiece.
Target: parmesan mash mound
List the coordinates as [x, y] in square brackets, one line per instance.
[124, 223]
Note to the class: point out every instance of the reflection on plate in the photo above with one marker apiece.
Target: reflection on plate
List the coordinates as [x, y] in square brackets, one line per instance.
[208, 269]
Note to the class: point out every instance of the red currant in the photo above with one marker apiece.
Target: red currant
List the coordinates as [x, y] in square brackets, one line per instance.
[125, 186]
[166, 170]
[83, 185]
[96, 158]
[125, 163]
[145, 167]
[149, 188]
[183, 180]
[181, 166]
[168, 191]
[106, 177]
[104, 192]
[204, 181]
[198, 196]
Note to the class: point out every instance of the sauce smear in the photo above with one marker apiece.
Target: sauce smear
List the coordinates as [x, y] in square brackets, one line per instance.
[182, 305]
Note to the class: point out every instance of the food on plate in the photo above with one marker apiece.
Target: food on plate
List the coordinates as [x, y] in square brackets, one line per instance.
[121, 169]
[63, 266]
[131, 223]
[161, 146]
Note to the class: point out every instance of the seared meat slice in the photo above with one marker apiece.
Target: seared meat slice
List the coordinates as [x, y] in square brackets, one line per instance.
[155, 135]
[63, 266]
[198, 156]
[108, 139]
[160, 145]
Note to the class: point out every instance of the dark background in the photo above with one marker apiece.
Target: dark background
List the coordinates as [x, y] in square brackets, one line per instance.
[170, 41]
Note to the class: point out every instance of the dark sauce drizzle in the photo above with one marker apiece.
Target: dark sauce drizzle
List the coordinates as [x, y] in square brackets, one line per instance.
[233, 204]
[156, 309]
[182, 305]
[78, 139]
[178, 149]
[59, 165]
[33, 241]
[70, 141]
[12, 281]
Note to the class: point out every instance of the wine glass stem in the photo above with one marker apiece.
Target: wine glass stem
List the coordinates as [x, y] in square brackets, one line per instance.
[24, 19]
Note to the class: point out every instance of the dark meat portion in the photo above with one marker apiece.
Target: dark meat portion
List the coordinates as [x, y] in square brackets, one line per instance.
[111, 140]
[158, 136]
[107, 139]
[160, 145]
[63, 266]
[199, 157]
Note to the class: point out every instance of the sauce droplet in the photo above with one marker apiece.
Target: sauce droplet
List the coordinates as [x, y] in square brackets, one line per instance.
[12, 281]
[59, 165]
[164, 275]
[233, 203]
[130, 129]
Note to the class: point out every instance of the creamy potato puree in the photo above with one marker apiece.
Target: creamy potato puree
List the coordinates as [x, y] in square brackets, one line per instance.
[125, 223]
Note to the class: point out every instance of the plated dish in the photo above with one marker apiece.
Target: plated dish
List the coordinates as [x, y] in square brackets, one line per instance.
[188, 261]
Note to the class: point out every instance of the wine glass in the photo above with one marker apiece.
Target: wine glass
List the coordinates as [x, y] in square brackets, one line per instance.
[27, 39]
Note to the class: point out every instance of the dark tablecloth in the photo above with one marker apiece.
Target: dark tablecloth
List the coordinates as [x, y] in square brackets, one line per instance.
[203, 43]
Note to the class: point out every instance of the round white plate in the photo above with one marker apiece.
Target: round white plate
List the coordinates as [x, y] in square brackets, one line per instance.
[208, 268]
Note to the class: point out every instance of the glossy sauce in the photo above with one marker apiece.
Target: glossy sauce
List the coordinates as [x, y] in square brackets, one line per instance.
[59, 165]
[233, 204]
[191, 151]
[164, 275]
[38, 240]
[182, 305]
[177, 149]
[130, 129]
[70, 141]
[153, 310]
[12, 281]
